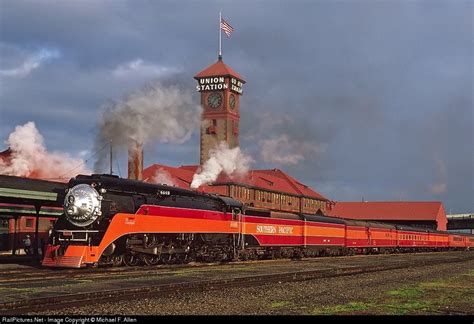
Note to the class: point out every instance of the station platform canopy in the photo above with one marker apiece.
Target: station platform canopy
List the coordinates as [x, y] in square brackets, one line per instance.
[32, 192]
[14, 210]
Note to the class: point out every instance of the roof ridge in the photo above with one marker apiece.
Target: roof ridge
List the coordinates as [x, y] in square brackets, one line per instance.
[291, 181]
[218, 68]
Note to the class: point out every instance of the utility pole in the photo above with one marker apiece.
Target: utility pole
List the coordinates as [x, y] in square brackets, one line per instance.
[111, 157]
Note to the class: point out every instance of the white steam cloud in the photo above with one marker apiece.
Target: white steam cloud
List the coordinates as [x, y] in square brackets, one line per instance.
[285, 151]
[161, 176]
[222, 159]
[30, 158]
[159, 113]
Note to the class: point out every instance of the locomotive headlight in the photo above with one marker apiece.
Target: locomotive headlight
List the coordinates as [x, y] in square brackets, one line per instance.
[82, 205]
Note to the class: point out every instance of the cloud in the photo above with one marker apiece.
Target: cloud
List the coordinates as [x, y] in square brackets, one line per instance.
[285, 151]
[140, 69]
[438, 188]
[284, 139]
[31, 63]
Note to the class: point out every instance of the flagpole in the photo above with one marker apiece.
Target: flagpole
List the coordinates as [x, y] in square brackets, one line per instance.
[220, 36]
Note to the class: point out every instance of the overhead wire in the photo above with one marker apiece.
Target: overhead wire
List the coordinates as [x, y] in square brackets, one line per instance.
[63, 175]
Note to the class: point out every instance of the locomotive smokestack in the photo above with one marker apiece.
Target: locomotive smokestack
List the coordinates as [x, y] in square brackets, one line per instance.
[135, 160]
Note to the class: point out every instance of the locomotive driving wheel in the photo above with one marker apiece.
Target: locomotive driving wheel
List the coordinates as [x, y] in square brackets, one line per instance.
[131, 259]
[150, 259]
[117, 260]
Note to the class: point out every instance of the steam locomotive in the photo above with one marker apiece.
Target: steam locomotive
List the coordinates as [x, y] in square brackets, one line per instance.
[112, 221]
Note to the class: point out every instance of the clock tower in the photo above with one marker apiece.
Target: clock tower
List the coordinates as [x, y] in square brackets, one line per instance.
[220, 88]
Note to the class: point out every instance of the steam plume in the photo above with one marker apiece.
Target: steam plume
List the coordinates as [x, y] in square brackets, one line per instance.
[157, 112]
[283, 150]
[285, 139]
[161, 176]
[29, 157]
[232, 161]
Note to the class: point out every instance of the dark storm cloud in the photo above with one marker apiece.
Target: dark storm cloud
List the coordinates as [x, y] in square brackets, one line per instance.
[384, 86]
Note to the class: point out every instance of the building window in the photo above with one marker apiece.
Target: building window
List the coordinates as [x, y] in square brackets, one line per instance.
[29, 222]
[212, 129]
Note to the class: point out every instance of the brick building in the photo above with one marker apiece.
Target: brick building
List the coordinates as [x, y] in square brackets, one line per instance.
[426, 214]
[260, 189]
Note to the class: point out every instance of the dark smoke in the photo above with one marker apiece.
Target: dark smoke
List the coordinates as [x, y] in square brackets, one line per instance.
[158, 113]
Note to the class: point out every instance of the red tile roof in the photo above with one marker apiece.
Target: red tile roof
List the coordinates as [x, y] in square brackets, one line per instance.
[392, 210]
[271, 180]
[218, 69]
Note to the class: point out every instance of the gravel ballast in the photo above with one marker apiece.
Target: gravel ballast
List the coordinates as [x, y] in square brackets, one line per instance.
[306, 297]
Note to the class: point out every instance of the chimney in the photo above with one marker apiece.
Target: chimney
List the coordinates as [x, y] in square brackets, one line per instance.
[135, 160]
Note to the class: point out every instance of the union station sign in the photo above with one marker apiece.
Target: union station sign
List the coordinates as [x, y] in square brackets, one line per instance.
[219, 83]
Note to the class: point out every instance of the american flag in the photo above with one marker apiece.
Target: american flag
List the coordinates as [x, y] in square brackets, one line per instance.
[226, 27]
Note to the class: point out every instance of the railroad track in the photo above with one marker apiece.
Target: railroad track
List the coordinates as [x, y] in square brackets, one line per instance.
[39, 273]
[42, 273]
[47, 274]
[79, 299]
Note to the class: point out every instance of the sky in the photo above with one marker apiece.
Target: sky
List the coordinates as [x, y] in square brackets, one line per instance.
[361, 100]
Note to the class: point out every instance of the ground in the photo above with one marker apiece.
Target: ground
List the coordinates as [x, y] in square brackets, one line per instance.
[437, 289]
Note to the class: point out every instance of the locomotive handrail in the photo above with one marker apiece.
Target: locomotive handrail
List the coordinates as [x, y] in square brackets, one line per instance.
[242, 230]
[82, 231]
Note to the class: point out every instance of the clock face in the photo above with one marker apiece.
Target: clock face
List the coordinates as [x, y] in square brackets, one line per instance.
[214, 100]
[232, 101]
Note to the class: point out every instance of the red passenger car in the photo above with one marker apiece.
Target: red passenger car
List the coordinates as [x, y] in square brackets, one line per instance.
[360, 234]
[412, 237]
